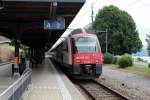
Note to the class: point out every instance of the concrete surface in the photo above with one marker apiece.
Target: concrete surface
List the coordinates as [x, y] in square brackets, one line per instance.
[49, 83]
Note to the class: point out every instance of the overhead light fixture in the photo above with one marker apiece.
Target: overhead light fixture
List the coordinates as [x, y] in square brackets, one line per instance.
[1, 4]
[54, 4]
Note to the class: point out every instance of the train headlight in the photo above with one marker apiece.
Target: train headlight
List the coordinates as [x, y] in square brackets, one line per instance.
[96, 60]
[78, 60]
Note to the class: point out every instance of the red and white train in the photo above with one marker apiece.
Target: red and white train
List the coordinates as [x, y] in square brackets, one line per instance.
[81, 55]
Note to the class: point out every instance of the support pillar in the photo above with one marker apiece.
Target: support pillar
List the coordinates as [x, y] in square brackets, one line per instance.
[27, 58]
[15, 67]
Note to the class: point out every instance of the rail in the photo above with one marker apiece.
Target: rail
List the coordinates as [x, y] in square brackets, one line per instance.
[98, 91]
[16, 90]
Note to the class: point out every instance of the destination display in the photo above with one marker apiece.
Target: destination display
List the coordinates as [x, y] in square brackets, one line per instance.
[55, 24]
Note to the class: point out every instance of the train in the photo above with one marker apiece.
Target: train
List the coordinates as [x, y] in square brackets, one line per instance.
[80, 54]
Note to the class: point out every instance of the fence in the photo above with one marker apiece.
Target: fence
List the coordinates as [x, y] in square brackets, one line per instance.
[16, 90]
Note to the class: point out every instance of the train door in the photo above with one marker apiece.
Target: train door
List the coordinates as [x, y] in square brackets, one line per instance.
[69, 51]
[64, 52]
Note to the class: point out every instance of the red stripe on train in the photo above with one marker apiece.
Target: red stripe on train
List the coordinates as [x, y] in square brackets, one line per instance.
[86, 58]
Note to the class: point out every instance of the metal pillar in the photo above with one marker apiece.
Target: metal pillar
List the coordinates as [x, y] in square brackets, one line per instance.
[106, 41]
[92, 14]
[106, 38]
[27, 58]
[15, 66]
[17, 48]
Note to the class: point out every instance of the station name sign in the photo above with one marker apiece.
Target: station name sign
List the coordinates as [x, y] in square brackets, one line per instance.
[54, 24]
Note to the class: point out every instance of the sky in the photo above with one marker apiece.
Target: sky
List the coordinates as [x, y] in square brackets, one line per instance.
[138, 9]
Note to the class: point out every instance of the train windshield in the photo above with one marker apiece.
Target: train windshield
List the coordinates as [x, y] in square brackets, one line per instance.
[86, 45]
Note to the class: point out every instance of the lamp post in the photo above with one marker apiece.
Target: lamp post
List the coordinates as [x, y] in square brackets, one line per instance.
[106, 40]
[106, 37]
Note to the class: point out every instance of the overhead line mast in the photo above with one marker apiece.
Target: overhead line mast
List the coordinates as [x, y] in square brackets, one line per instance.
[92, 14]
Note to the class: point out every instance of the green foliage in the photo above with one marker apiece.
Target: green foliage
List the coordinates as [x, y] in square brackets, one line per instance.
[148, 65]
[148, 48]
[108, 58]
[122, 34]
[140, 59]
[125, 61]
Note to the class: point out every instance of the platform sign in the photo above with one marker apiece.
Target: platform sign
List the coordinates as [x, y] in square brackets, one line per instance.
[55, 24]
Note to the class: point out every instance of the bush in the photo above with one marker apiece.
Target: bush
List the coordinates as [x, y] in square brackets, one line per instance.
[140, 59]
[125, 61]
[108, 58]
[148, 65]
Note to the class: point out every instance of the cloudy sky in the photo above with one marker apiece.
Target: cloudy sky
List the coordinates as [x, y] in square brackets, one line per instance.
[138, 9]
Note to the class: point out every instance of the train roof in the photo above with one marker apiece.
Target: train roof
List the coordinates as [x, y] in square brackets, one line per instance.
[83, 35]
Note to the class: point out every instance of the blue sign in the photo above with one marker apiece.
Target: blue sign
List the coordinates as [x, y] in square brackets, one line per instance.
[56, 24]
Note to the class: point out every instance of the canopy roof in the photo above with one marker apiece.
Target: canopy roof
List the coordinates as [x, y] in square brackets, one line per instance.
[24, 19]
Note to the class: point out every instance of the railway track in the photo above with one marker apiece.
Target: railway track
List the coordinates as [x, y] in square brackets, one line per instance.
[97, 91]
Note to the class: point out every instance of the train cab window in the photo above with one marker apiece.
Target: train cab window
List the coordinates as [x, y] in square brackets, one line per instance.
[86, 45]
[86, 39]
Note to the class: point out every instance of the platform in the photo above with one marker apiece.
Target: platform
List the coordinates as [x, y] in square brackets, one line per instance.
[49, 83]
[5, 82]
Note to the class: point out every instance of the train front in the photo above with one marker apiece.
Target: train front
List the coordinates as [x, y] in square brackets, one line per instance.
[86, 57]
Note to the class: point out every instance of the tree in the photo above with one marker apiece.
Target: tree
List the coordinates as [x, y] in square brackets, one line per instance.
[148, 42]
[123, 36]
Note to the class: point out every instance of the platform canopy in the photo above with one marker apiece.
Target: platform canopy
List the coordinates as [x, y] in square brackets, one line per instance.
[24, 19]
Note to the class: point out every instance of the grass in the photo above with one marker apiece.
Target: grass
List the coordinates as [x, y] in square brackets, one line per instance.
[131, 68]
[139, 69]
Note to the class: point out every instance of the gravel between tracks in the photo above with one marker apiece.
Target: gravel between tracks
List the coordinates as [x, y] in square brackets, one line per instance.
[128, 84]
